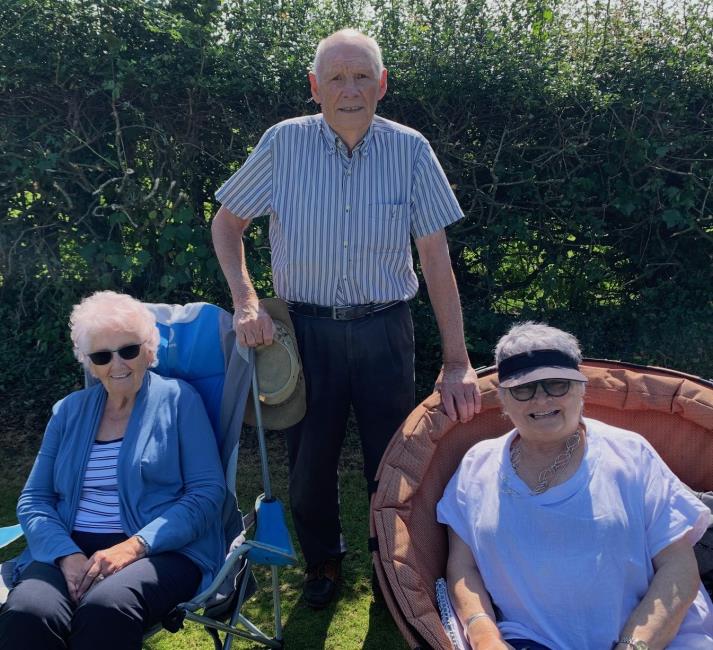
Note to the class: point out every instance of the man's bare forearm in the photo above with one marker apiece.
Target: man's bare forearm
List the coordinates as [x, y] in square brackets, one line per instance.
[457, 381]
[443, 294]
[227, 232]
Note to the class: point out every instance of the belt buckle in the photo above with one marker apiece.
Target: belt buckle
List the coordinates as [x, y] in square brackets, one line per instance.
[337, 313]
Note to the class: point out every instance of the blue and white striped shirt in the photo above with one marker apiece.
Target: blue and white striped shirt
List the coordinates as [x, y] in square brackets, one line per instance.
[340, 225]
[98, 509]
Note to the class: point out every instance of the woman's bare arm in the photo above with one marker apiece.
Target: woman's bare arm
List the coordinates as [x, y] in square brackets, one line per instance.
[660, 613]
[470, 598]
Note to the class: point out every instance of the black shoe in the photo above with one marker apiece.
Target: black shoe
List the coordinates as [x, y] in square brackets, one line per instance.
[320, 585]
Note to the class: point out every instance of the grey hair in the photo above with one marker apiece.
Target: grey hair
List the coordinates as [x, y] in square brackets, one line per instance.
[352, 35]
[528, 336]
[108, 311]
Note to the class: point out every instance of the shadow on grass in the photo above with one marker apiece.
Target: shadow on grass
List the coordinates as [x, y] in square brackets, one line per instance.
[380, 631]
[306, 628]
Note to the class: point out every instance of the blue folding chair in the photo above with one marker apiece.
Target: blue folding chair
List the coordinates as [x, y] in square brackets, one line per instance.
[197, 344]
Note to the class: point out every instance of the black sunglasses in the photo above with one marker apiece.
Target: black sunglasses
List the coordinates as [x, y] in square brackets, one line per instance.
[553, 387]
[102, 357]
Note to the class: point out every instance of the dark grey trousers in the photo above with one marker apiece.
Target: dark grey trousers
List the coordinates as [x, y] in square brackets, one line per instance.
[113, 615]
[367, 364]
[526, 644]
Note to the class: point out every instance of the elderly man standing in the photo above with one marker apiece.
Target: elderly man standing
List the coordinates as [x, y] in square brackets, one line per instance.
[345, 191]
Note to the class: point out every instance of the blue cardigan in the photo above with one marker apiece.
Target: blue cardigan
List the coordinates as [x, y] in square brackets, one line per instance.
[171, 483]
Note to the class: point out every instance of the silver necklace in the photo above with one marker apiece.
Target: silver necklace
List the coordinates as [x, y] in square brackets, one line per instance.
[546, 475]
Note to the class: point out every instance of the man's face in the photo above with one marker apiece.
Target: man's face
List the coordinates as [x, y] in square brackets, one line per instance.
[348, 89]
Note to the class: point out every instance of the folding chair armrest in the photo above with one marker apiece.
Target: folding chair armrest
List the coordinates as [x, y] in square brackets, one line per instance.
[269, 549]
[9, 534]
[249, 520]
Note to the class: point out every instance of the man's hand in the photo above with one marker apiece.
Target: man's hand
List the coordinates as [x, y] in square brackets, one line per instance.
[457, 381]
[458, 385]
[72, 568]
[253, 325]
[107, 562]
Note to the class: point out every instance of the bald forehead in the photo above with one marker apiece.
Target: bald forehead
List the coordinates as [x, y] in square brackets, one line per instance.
[339, 38]
[347, 54]
[342, 49]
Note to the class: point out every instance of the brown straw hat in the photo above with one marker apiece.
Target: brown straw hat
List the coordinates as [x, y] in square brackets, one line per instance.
[279, 373]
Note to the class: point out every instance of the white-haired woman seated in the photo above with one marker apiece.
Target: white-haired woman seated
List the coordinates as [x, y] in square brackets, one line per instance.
[567, 533]
[122, 509]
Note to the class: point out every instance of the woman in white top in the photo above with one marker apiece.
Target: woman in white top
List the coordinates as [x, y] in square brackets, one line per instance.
[567, 533]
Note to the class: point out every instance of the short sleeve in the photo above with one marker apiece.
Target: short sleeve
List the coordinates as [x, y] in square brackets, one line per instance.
[248, 192]
[433, 204]
[452, 510]
[671, 510]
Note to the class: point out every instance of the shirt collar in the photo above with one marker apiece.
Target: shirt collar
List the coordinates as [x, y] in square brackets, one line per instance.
[332, 141]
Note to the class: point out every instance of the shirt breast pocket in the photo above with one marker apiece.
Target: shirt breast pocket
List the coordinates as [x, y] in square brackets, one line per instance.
[389, 227]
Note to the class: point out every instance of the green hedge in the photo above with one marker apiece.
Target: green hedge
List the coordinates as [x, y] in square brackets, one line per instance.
[578, 137]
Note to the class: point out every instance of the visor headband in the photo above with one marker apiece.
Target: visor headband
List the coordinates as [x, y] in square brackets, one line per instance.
[535, 359]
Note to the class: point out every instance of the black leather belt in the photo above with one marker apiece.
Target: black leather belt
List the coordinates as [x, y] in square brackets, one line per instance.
[350, 312]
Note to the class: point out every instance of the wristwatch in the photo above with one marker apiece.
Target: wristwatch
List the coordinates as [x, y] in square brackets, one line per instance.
[630, 641]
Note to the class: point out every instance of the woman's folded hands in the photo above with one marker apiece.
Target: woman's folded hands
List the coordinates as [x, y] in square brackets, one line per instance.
[73, 569]
[82, 573]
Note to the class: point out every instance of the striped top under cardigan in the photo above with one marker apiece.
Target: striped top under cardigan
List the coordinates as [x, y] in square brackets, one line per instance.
[98, 509]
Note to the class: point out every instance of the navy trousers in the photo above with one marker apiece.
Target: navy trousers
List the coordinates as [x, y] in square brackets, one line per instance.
[366, 364]
[526, 644]
[113, 615]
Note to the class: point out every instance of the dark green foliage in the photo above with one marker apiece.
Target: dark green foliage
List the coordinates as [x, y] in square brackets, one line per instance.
[579, 142]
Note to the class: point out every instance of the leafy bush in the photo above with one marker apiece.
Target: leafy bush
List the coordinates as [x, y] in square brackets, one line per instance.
[578, 138]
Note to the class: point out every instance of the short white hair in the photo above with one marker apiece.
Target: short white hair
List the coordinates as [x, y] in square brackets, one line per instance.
[109, 311]
[348, 35]
[529, 336]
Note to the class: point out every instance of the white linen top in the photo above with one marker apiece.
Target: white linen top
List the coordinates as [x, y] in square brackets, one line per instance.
[567, 567]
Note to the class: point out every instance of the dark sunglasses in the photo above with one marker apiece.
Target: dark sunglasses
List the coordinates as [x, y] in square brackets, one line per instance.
[102, 357]
[553, 387]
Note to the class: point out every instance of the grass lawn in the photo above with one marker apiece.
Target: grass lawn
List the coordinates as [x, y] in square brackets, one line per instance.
[354, 621]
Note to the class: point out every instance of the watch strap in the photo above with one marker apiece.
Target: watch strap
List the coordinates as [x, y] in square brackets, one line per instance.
[631, 642]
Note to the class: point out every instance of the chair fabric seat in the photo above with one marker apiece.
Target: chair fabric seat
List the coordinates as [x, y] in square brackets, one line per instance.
[7, 569]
